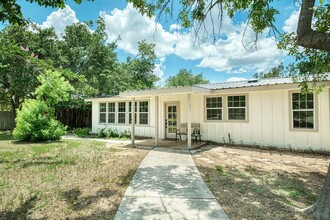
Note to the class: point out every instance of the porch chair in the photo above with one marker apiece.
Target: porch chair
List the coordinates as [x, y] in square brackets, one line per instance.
[183, 130]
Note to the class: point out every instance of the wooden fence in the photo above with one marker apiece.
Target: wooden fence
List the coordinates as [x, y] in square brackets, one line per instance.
[73, 118]
[6, 121]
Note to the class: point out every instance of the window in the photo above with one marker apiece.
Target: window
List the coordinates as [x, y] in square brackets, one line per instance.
[236, 107]
[214, 108]
[130, 112]
[103, 110]
[303, 110]
[143, 113]
[121, 112]
[111, 112]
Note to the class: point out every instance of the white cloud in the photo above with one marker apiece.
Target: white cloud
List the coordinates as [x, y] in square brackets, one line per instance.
[290, 24]
[235, 79]
[174, 27]
[60, 19]
[132, 27]
[228, 54]
[159, 70]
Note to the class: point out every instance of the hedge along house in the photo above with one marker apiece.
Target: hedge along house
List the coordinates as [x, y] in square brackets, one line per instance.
[264, 112]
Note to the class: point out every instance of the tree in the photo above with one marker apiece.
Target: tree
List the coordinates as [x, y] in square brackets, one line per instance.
[313, 32]
[141, 67]
[19, 67]
[36, 121]
[261, 15]
[10, 10]
[276, 72]
[88, 55]
[186, 78]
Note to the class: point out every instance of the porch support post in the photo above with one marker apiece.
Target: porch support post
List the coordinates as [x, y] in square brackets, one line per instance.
[189, 121]
[133, 122]
[156, 120]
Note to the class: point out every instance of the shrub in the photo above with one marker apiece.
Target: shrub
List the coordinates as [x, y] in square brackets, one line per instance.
[36, 122]
[102, 133]
[125, 134]
[81, 132]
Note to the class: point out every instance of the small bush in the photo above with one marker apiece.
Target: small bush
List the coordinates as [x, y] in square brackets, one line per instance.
[81, 132]
[125, 134]
[36, 122]
[112, 133]
[102, 133]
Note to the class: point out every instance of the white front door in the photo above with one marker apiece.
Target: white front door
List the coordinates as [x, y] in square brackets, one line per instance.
[171, 120]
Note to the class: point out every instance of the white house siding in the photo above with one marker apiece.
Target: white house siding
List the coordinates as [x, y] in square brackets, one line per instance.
[140, 130]
[268, 113]
[269, 123]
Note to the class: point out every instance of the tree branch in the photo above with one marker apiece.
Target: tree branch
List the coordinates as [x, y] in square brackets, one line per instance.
[306, 36]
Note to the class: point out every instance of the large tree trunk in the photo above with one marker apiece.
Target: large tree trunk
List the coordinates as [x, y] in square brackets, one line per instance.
[306, 36]
[321, 209]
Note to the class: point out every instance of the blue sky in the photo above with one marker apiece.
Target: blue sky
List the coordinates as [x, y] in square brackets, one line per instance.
[176, 48]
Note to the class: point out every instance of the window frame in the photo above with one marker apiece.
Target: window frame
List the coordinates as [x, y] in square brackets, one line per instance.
[211, 108]
[236, 107]
[225, 108]
[101, 112]
[111, 112]
[121, 113]
[314, 110]
[127, 112]
[141, 112]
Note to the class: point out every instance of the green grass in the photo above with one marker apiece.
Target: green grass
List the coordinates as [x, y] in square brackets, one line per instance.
[35, 177]
[220, 168]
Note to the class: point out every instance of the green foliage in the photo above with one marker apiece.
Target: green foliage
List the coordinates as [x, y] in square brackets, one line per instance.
[112, 133]
[310, 65]
[276, 72]
[81, 132]
[141, 67]
[186, 78]
[35, 122]
[10, 10]
[53, 89]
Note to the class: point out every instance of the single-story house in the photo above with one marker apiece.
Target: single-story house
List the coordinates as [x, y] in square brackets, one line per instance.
[270, 112]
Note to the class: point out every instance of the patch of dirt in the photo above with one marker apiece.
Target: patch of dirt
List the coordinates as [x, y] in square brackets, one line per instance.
[253, 184]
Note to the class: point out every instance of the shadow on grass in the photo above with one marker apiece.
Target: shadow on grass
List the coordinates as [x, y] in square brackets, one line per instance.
[259, 194]
[20, 212]
[76, 202]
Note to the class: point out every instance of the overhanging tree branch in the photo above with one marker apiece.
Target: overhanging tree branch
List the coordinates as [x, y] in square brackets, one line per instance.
[306, 36]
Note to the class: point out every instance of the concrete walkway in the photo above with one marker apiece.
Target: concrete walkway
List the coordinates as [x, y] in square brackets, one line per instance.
[168, 185]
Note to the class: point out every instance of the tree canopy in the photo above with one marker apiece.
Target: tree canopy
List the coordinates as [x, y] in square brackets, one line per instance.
[186, 78]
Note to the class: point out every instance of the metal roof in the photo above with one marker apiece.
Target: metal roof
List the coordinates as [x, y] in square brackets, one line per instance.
[247, 83]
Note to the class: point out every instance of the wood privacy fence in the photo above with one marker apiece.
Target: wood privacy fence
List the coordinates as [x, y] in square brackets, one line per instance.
[6, 121]
[73, 118]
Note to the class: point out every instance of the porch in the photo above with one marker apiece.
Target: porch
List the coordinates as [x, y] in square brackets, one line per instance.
[168, 143]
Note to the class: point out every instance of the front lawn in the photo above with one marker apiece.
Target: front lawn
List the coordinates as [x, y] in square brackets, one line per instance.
[254, 184]
[64, 180]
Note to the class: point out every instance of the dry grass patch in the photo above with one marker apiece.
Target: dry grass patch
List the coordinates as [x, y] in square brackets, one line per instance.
[250, 184]
[64, 180]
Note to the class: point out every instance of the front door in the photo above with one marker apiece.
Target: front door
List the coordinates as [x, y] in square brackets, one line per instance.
[171, 120]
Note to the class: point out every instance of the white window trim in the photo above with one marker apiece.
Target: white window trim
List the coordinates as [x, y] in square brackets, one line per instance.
[127, 113]
[99, 112]
[315, 113]
[111, 112]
